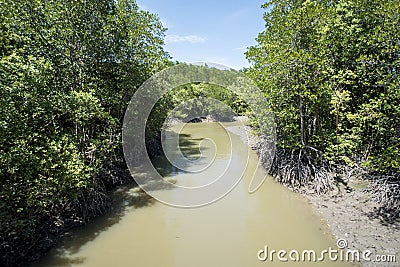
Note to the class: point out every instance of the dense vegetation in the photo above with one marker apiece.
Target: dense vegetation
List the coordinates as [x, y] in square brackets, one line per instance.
[67, 70]
[330, 71]
[210, 96]
[187, 92]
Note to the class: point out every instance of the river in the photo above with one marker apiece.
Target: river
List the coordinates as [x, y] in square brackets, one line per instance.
[140, 231]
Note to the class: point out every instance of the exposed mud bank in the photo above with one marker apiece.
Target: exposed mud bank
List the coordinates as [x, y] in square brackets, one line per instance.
[351, 214]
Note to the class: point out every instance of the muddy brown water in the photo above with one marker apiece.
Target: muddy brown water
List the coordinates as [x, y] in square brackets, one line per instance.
[230, 232]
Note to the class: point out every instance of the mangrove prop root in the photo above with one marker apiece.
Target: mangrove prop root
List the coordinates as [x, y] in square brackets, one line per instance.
[386, 191]
[299, 169]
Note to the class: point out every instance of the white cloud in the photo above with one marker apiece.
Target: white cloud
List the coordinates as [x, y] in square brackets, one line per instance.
[184, 38]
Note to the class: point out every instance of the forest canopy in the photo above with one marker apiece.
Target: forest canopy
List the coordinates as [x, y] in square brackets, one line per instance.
[68, 70]
[330, 71]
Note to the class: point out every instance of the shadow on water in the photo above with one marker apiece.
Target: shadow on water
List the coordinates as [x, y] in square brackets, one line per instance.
[123, 199]
[190, 148]
[64, 261]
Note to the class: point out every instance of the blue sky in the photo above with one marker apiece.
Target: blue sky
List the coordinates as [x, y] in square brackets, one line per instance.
[215, 31]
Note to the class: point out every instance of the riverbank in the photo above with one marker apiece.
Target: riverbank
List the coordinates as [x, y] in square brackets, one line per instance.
[350, 214]
[229, 232]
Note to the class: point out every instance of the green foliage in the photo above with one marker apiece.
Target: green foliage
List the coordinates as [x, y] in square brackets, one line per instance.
[364, 69]
[286, 64]
[184, 93]
[212, 91]
[330, 70]
[67, 72]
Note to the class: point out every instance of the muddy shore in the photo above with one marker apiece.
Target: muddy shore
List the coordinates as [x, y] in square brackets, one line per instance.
[350, 215]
